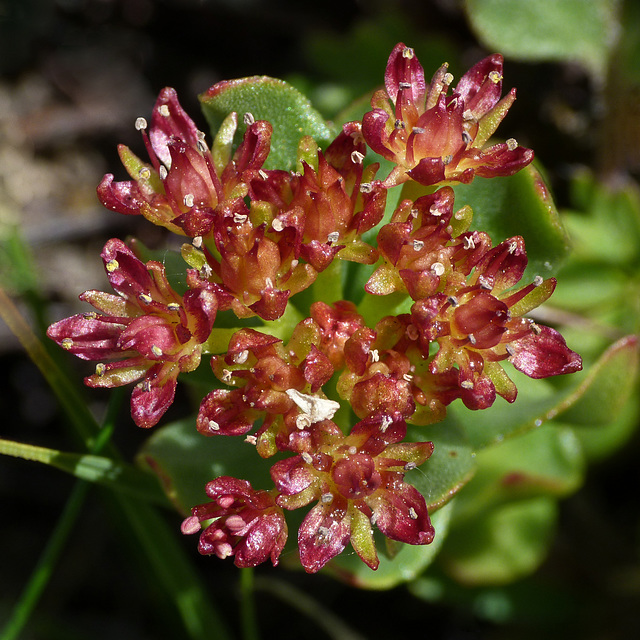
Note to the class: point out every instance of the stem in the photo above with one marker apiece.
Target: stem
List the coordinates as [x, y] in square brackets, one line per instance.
[249, 619]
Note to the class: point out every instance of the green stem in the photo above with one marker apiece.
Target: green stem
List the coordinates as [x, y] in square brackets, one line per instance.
[248, 606]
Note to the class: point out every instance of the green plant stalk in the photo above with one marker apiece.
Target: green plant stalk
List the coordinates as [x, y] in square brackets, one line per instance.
[248, 609]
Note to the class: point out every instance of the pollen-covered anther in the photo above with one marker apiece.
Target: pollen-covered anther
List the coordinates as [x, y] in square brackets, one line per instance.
[334, 236]
[263, 174]
[437, 268]
[404, 85]
[277, 225]
[248, 119]
[537, 281]
[484, 283]
[326, 498]
[112, 265]
[213, 425]
[535, 328]
[206, 271]
[66, 343]
[410, 466]
[163, 109]
[306, 457]
[512, 144]
[156, 350]
[386, 423]
[251, 440]
[173, 306]
[418, 130]
[188, 200]
[467, 115]
[414, 213]
[144, 173]
[366, 187]
[242, 356]
[375, 356]
[240, 218]
[435, 211]
[89, 315]
[141, 124]
[407, 377]
[453, 301]
[163, 172]
[447, 159]
[448, 78]
[399, 124]
[472, 338]
[466, 384]
[408, 53]
[495, 76]
[418, 245]
[469, 243]
[412, 513]
[303, 421]
[197, 242]
[510, 350]
[357, 157]
[324, 535]
[146, 298]
[466, 137]
[513, 245]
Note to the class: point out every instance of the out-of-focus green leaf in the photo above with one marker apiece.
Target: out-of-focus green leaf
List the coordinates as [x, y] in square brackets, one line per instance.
[519, 205]
[185, 461]
[546, 461]
[407, 564]
[603, 387]
[288, 111]
[579, 31]
[506, 543]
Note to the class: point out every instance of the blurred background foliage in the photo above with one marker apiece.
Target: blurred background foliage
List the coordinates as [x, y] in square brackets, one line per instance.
[74, 76]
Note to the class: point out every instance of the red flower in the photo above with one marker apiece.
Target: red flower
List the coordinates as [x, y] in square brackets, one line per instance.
[185, 185]
[146, 331]
[433, 137]
[247, 524]
[358, 481]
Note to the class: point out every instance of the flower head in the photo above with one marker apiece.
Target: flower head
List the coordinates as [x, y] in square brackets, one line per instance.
[434, 137]
[146, 331]
[247, 524]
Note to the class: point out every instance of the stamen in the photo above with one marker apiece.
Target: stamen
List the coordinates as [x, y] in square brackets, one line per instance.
[326, 498]
[100, 369]
[466, 384]
[467, 115]
[399, 124]
[352, 450]
[375, 356]
[410, 466]
[484, 283]
[144, 173]
[418, 130]
[140, 124]
[495, 76]
[197, 242]
[408, 53]
[188, 200]
[89, 315]
[469, 243]
[306, 457]
[453, 301]
[412, 332]
[66, 343]
[263, 174]
[163, 109]
[146, 298]
[437, 268]
[226, 375]
[112, 265]
[404, 85]
[248, 119]
[448, 78]
[412, 513]
[510, 350]
[512, 144]
[535, 328]
[447, 159]
[277, 225]
[386, 423]
[357, 157]
[242, 357]
[162, 172]
[251, 440]
[537, 281]
[240, 218]
[213, 425]
[334, 236]
[366, 187]
[466, 138]
[156, 350]
[418, 245]
[472, 338]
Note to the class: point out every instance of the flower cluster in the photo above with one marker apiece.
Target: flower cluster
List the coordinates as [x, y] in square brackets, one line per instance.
[261, 236]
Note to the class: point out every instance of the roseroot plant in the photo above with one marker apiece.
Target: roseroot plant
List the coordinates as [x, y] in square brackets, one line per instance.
[330, 391]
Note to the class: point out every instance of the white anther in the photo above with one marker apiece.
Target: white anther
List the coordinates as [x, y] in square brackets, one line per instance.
[197, 242]
[448, 78]
[226, 375]
[447, 159]
[386, 423]
[437, 268]
[242, 356]
[414, 213]
[375, 356]
[407, 377]
[306, 457]
[248, 119]
[316, 408]
[352, 450]
[112, 265]
[163, 109]
[66, 343]
[537, 281]
[366, 187]
[435, 211]
[202, 147]
[188, 200]
[173, 306]
[469, 243]
[467, 114]
[213, 425]
[535, 328]
[326, 498]
[453, 301]
[418, 130]
[472, 338]
[410, 466]
[268, 283]
[251, 440]
[466, 384]
[404, 85]
[466, 137]
[277, 225]
[513, 246]
[484, 283]
[512, 144]
[100, 369]
[418, 245]
[162, 172]
[323, 535]
[407, 52]
[303, 421]
[144, 173]
[263, 174]
[140, 124]
[146, 298]
[495, 76]
[357, 157]
[205, 271]
[412, 513]
[334, 236]
[240, 218]
[157, 351]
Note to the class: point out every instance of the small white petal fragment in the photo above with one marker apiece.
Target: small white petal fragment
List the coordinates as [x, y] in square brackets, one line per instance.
[316, 408]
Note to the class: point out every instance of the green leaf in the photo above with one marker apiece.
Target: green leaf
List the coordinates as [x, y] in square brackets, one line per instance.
[519, 205]
[601, 390]
[579, 31]
[289, 112]
[506, 543]
[406, 565]
[185, 461]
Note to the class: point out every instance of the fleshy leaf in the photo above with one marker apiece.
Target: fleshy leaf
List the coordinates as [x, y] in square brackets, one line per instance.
[290, 113]
[519, 205]
[581, 31]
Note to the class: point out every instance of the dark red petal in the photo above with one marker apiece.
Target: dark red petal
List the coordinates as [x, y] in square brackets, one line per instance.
[499, 160]
[223, 412]
[404, 66]
[428, 171]
[322, 536]
[92, 338]
[148, 405]
[479, 92]
[291, 475]
[544, 354]
[123, 197]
